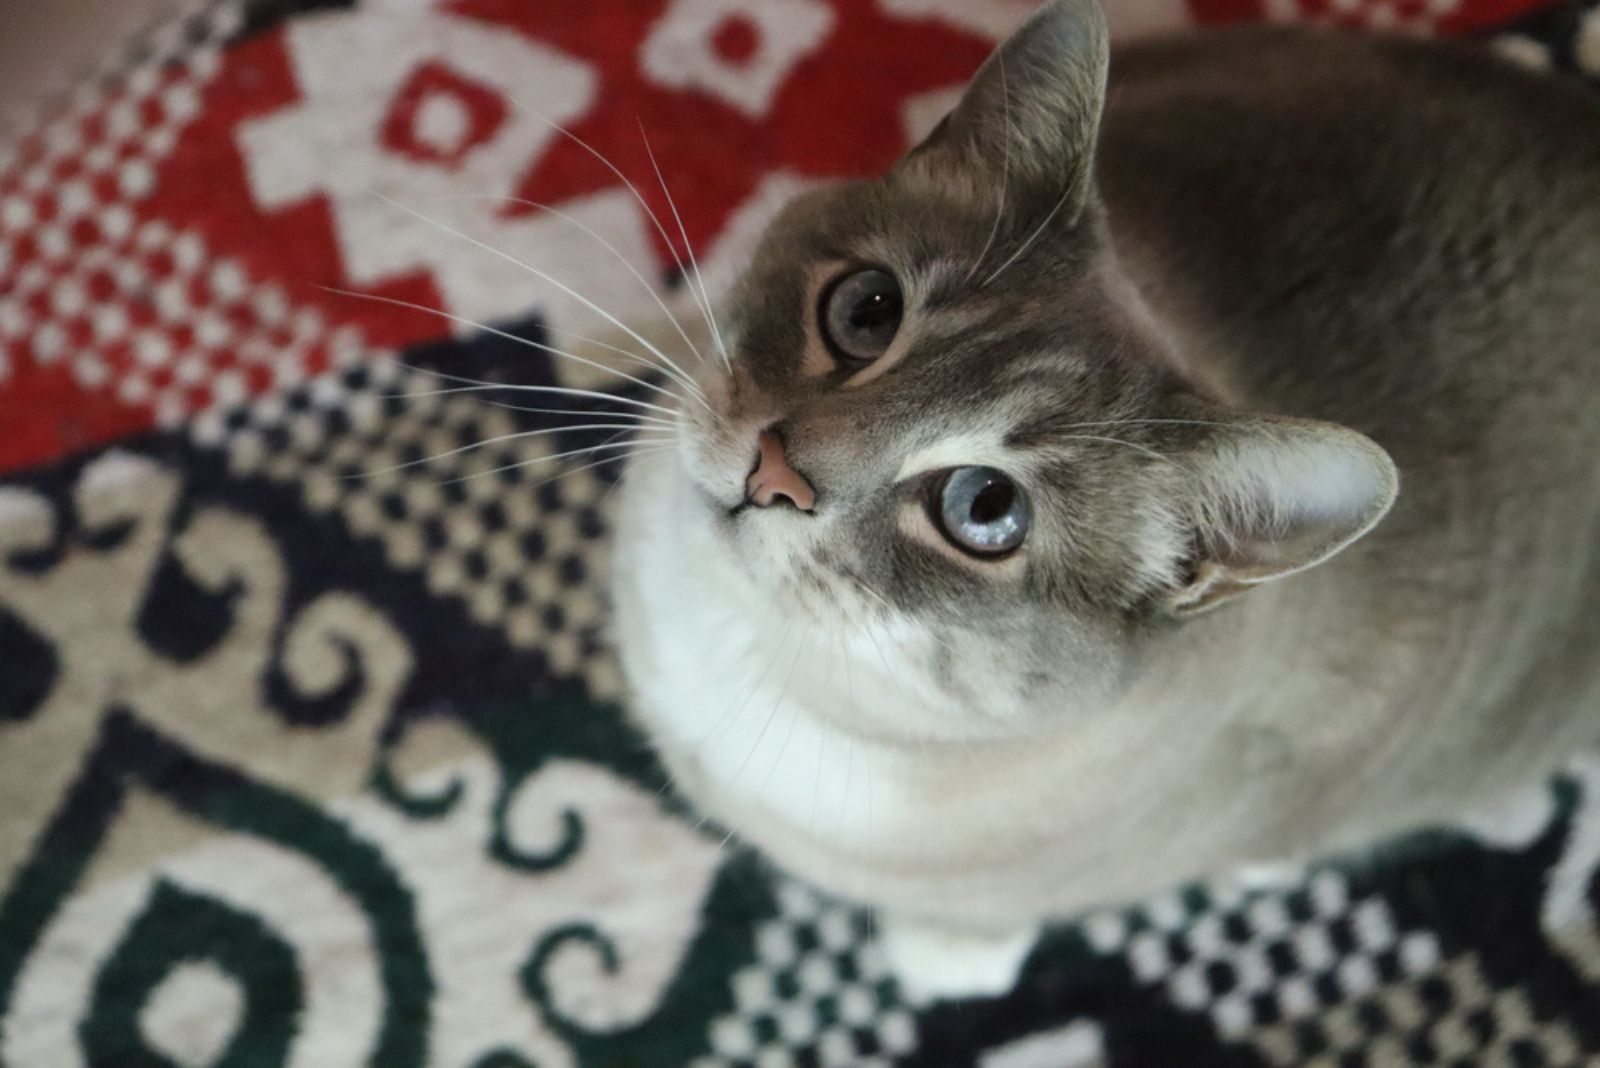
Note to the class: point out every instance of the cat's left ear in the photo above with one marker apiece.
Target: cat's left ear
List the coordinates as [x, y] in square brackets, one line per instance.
[1031, 115]
[1268, 496]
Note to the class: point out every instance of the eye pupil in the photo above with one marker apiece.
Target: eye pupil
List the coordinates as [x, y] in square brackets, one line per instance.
[992, 502]
[981, 511]
[872, 312]
[860, 315]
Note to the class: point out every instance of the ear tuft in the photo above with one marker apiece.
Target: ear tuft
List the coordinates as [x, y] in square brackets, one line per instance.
[1033, 109]
[1274, 496]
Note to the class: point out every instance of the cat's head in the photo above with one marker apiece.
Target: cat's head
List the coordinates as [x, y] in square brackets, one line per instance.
[947, 406]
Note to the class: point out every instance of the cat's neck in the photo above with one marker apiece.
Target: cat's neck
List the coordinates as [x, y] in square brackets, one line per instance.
[779, 710]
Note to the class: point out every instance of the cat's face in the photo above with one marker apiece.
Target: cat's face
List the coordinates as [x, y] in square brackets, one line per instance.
[975, 449]
[983, 432]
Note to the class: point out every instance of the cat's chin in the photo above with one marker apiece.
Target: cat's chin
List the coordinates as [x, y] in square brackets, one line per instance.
[771, 546]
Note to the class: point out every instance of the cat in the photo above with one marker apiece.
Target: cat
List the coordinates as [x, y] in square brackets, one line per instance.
[1128, 488]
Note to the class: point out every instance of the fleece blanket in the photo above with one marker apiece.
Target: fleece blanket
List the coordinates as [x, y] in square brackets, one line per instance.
[305, 765]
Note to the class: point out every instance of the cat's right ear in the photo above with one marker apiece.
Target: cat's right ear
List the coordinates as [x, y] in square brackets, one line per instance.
[1031, 115]
[1267, 496]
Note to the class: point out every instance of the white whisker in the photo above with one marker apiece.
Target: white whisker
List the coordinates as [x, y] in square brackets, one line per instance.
[861, 584]
[1118, 441]
[794, 717]
[486, 442]
[849, 676]
[1005, 171]
[822, 735]
[1048, 219]
[745, 691]
[601, 463]
[1148, 422]
[650, 214]
[872, 635]
[609, 247]
[603, 447]
[585, 301]
[888, 608]
[866, 829]
[612, 167]
[721, 676]
[477, 385]
[844, 797]
[653, 387]
[642, 421]
[705, 298]
[772, 714]
[630, 356]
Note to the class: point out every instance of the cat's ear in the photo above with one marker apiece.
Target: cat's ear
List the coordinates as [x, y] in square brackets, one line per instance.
[1031, 115]
[1271, 496]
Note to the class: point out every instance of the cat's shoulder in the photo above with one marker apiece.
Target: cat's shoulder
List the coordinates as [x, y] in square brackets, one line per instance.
[1257, 64]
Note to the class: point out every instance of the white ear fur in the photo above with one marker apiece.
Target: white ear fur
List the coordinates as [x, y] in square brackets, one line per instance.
[1276, 496]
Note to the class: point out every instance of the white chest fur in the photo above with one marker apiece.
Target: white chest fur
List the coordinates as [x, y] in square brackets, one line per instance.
[765, 718]
[743, 699]
[776, 725]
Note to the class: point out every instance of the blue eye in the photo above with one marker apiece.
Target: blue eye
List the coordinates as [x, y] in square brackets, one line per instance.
[981, 511]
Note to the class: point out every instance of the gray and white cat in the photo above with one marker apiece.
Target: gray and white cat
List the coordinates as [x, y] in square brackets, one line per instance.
[1099, 501]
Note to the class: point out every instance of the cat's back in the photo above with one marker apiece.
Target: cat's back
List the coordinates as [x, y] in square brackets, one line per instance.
[1404, 237]
[1309, 204]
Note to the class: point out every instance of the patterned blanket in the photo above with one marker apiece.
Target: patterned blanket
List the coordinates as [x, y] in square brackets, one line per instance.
[312, 754]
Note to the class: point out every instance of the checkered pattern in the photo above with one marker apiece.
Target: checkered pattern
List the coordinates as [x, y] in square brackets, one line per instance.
[149, 315]
[175, 294]
[1546, 43]
[1254, 961]
[452, 486]
[81, 281]
[1400, 16]
[1449, 1015]
[818, 993]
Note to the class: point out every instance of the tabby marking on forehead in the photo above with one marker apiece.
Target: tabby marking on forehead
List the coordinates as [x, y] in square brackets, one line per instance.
[976, 448]
[921, 290]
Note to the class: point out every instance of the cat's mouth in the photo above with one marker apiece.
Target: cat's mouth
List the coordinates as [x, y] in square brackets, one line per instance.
[739, 471]
[760, 525]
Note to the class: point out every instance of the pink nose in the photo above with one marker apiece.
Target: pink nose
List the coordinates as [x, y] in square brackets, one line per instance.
[774, 478]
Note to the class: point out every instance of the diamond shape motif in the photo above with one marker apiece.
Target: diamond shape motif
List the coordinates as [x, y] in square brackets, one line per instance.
[439, 116]
[431, 119]
[739, 52]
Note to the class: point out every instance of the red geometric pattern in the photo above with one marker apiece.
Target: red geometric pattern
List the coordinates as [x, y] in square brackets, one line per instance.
[826, 121]
[1403, 16]
[324, 555]
[142, 280]
[88, 290]
[436, 87]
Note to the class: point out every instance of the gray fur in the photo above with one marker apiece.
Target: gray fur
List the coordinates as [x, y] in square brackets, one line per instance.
[1306, 259]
